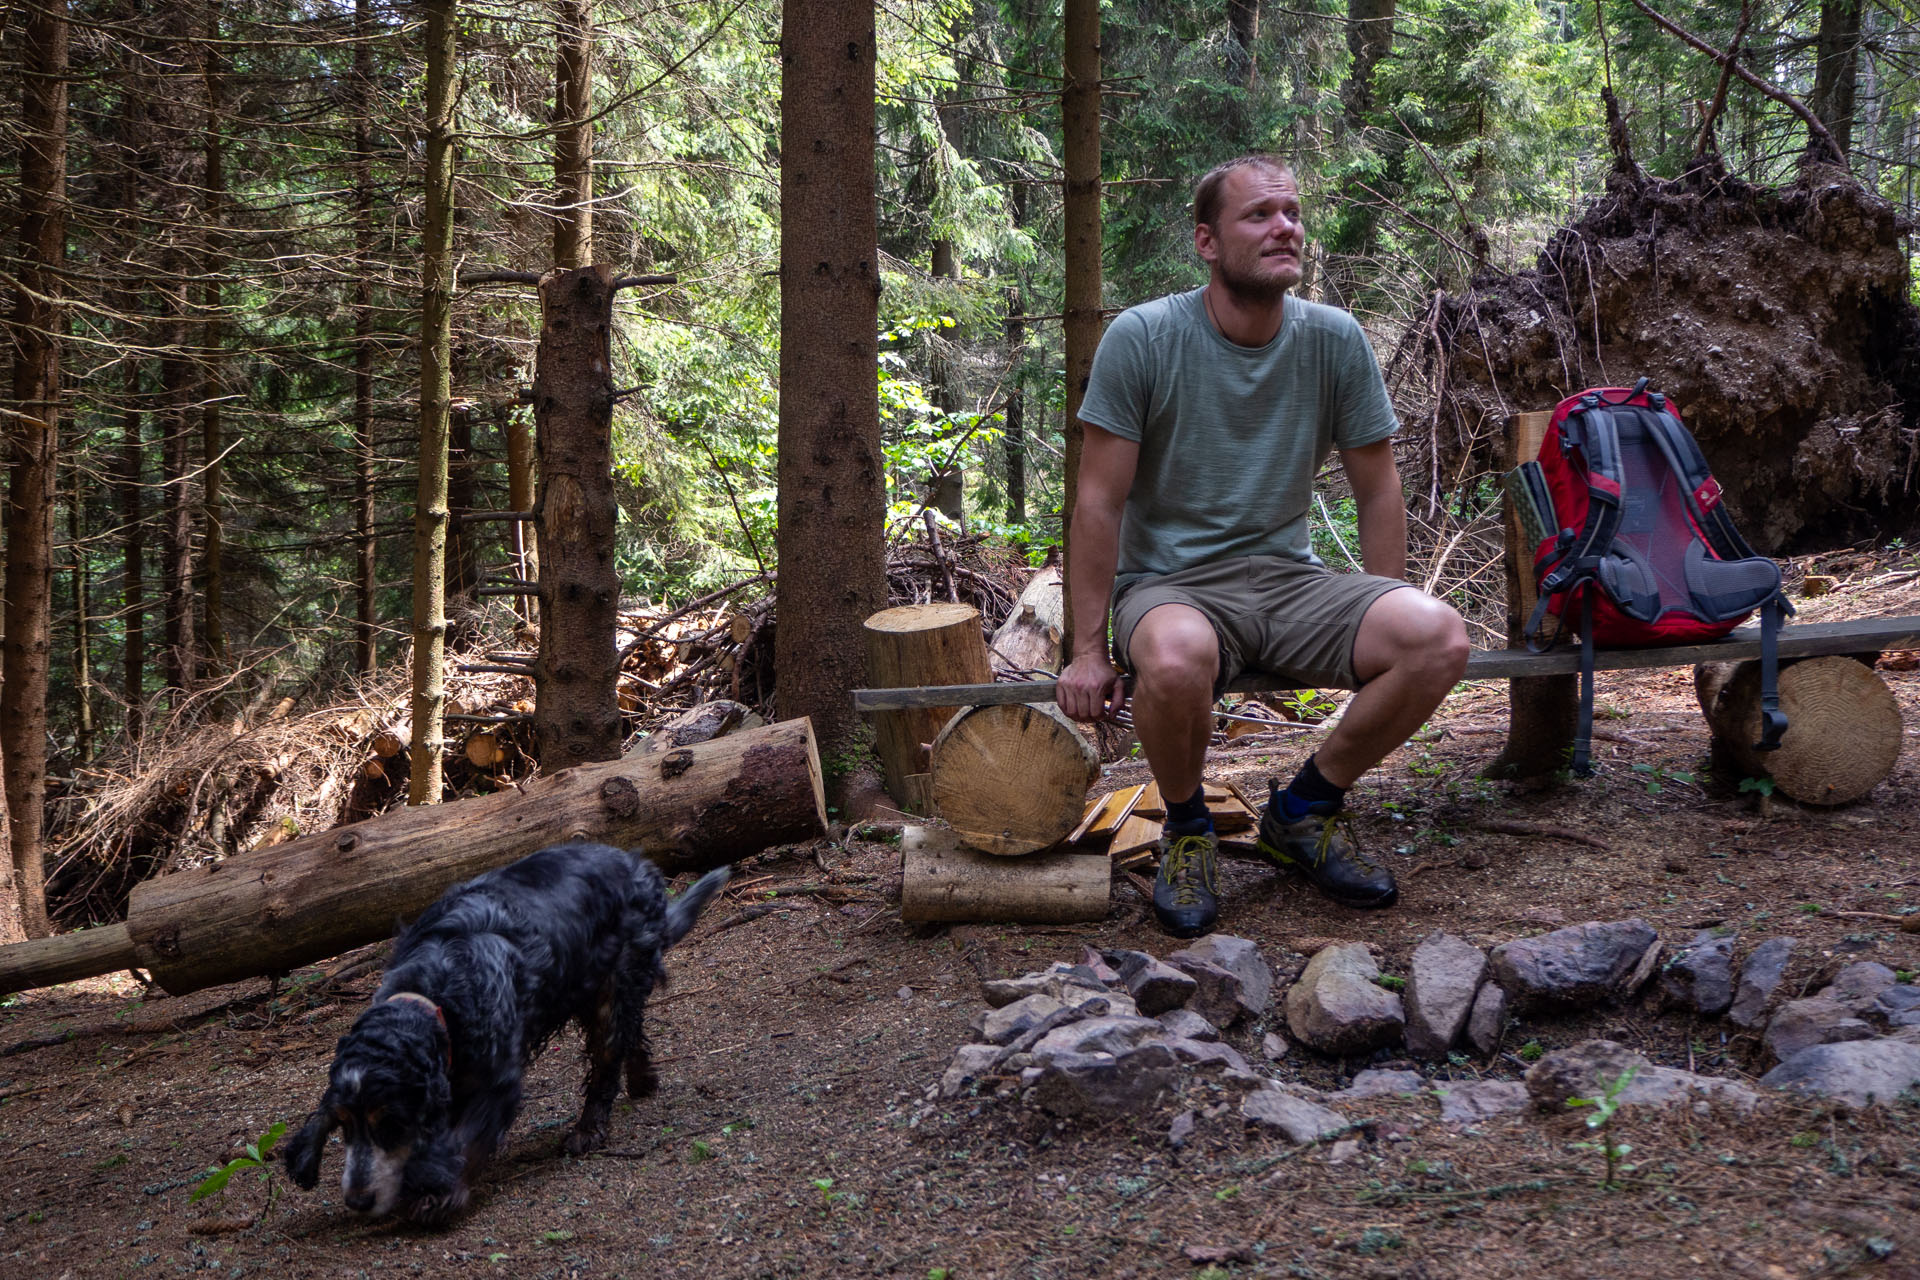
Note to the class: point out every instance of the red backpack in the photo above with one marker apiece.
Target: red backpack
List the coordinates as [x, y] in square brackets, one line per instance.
[1634, 545]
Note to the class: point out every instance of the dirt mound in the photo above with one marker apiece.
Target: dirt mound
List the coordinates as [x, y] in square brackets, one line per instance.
[1778, 319]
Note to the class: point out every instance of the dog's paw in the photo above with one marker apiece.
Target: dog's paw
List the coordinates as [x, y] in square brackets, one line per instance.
[585, 1138]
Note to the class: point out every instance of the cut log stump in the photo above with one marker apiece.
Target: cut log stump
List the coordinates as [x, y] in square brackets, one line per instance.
[942, 880]
[1844, 726]
[909, 646]
[1012, 779]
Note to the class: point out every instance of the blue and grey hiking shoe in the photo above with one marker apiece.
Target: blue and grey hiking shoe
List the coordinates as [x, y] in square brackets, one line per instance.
[1185, 891]
[1317, 848]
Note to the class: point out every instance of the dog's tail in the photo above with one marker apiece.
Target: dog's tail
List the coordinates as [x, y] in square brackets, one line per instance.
[685, 909]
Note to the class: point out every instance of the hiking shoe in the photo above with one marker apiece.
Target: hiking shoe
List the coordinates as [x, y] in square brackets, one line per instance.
[1318, 849]
[1184, 891]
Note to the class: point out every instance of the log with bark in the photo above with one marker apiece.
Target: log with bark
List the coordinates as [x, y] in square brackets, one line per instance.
[266, 912]
[941, 880]
[913, 645]
[1029, 640]
[1844, 729]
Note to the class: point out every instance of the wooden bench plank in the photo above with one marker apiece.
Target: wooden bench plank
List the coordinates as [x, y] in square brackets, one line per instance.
[1797, 640]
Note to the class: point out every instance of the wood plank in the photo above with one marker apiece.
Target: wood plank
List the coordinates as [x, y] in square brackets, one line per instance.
[1797, 640]
[1135, 834]
[1097, 806]
[1122, 809]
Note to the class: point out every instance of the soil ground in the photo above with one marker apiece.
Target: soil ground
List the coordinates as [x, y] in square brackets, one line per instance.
[790, 1136]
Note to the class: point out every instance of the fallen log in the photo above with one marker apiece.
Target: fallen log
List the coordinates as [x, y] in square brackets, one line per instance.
[269, 911]
[1029, 640]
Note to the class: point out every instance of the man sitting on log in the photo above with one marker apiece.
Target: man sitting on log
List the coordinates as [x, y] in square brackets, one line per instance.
[1207, 415]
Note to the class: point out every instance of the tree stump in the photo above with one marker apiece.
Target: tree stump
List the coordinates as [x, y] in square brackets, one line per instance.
[908, 646]
[1844, 729]
[943, 881]
[1012, 779]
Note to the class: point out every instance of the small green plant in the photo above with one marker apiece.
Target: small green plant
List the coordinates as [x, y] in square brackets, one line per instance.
[1605, 1107]
[1390, 981]
[1532, 1051]
[1657, 778]
[1756, 786]
[258, 1156]
[1227, 1192]
[1809, 908]
[701, 1150]
[1805, 1138]
[559, 1235]
[827, 1194]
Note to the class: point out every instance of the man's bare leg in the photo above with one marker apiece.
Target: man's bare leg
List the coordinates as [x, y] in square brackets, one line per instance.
[1410, 652]
[1175, 658]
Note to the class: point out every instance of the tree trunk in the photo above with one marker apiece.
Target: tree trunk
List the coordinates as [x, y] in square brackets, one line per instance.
[133, 573]
[272, 910]
[1836, 73]
[366, 548]
[576, 713]
[832, 477]
[178, 389]
[1080, 115]
[1243, 19]
[430, 502]
[462, 469]
[212, 440]
[83, 725]
[1014, 439]
[573, 136]
[1370, 39]
[32, 436]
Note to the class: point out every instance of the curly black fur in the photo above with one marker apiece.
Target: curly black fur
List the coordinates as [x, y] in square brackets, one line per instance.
[429, 1078]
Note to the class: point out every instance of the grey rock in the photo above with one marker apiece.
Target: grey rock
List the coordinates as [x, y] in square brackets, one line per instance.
[1336, 1008]
[1801, 1024]
[1010, 1021]
[1858, 985]
[1180, 1132]
[1488, 1019]
[1857, 1073]
[1580, 965]
[1208, 1053]
[1091, 1007]
[1114, 1033]
[1590, 1068]
[1898, 1005]
[1344, 1151]
[1241, 958]
[1102, 1084]
[1274, 1046]
[1376, 1083]
[1188, 1025]
[1064, 983]
[1300, 1120]
[1098, 966]
[1700, 975]
[1216, 995]
[1441, 984]
[1157, 987]
[1245, 1081]
[1759, 979]
[971, 1062]
[1466, 1102]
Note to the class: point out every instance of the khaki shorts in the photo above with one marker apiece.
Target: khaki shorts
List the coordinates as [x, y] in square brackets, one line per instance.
[1270, 613]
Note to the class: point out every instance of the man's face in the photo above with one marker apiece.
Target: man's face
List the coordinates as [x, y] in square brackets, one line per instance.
[1256, 241]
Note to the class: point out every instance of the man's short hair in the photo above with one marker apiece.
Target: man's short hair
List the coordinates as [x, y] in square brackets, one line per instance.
[1206, 196]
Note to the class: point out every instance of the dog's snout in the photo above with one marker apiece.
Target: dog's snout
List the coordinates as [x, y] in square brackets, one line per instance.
[360, 1201]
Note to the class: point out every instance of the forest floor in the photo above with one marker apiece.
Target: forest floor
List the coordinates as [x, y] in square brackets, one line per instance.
[790, 1136]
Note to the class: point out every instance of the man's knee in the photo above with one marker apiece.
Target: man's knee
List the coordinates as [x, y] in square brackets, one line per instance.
[1416, 635]
[1174, 648]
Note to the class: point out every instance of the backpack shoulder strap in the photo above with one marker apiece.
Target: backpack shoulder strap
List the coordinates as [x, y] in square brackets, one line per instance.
[1682, 454]
[1590, 429]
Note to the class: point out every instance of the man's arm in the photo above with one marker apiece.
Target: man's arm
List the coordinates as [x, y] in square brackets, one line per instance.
[1381, 507]
[1090, 687]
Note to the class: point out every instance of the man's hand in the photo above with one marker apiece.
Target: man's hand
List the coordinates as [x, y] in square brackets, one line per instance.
[1091, 688]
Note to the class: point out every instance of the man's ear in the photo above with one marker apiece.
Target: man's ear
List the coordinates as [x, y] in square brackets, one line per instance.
[1203, 243]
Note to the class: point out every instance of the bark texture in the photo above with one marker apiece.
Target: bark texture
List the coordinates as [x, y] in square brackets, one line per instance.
[576, 714]
[832, 479]
[1080, 108]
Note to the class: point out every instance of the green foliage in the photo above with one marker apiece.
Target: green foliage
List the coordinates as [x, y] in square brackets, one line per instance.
[258, 1156]
[1605, 1107]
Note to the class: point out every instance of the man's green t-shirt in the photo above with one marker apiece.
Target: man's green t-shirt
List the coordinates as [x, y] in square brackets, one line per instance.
[1230, 437]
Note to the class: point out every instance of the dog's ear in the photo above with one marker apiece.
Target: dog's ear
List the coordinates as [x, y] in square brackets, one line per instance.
[302, 1150]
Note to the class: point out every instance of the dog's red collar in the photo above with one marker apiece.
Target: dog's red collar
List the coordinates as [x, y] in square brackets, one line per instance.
[438, 1016]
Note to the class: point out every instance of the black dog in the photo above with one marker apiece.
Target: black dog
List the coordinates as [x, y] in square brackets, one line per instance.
[429, 1078]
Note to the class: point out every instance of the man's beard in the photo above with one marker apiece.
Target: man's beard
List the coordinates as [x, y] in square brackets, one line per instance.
[1253, 289]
